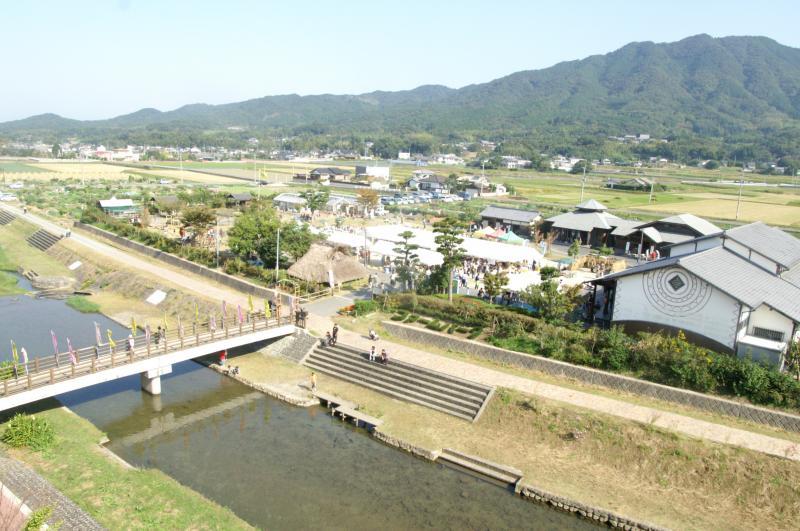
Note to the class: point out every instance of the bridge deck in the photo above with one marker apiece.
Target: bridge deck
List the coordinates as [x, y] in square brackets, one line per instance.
[45, 377]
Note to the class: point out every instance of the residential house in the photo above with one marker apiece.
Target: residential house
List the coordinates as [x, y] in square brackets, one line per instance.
[289, 202]
[590, 222]
[119, 208]
[448, 159]
[240, 200]
[637, 184]
[373, 173]
[736, 291]
[329, 174]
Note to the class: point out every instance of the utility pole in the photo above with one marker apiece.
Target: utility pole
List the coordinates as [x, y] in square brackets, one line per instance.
[652, 186]
[583, 182]
[739, 200]
[216, 240]
[277, 255]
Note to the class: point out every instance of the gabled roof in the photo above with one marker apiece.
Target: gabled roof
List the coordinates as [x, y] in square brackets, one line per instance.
[584, 220]
[733, 275]
[592, 205]
[512, 214]
[778, 246]
[330, 171]
[288, 197]
[697, 224]
[240, 197]
[115, 203]
[792, 276]
[625, 227]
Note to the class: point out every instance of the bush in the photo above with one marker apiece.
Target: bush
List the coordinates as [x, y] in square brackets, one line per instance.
[462, 329]
[29, 431]
[39, 518]
[365, 307]
[548, 273]
[397, 317]
[423, 321]
[412, 317]
[6, 370]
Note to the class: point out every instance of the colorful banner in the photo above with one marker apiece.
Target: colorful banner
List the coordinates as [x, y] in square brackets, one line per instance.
[97, 335]
[250, 303]
[72, 358]
[241, 317]
[224, 309]
[55, 345]
[111, 341]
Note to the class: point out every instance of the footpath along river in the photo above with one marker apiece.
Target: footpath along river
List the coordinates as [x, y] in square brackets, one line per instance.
[274, 465]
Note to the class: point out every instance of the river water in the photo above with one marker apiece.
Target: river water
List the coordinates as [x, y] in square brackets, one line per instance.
[274, 465]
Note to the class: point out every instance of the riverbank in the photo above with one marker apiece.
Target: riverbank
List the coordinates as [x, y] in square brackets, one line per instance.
[633, 469]
[116, 496]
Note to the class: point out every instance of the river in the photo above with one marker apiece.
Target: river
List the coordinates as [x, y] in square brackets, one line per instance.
[275, 465]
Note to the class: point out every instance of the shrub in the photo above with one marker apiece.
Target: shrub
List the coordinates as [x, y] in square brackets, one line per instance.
[39, 518]
[548, 273]
[6, 370]
[365, 307]
[29, 431]
[412, 317]
[434, 325]
[423, 321]
[397, 317]
[462, 329]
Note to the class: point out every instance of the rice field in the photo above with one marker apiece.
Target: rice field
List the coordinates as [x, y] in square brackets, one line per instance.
[17, 167]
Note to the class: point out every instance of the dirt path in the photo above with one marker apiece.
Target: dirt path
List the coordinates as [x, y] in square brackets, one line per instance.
[671, 421]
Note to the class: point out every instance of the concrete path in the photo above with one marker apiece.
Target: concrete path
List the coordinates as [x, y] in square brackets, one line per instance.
[671, 421]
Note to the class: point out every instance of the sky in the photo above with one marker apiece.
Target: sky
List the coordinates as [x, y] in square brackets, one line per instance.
[94, 59]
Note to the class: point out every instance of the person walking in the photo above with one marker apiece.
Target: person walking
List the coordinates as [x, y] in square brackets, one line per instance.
[313, 382]
[158, 335]
[131, 343]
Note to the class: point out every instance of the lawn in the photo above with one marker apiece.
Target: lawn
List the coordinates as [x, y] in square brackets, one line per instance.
[118, 497]
[18, 167]
[17, 252]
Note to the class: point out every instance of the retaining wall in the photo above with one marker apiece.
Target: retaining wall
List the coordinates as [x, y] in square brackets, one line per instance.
[778, 419]
[211, 274]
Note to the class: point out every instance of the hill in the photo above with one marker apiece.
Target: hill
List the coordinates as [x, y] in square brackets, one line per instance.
[700, 85]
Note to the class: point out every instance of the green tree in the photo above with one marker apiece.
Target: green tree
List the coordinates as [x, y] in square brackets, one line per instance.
[255, 233]
[793, 360]
[549, 272]
[448, 243]
[553, 305]
[407, 261]
[711, 165]
[574, 248]
[579, 166]
[316, 198]
[199, 219]
[493, 283]
[56, 150]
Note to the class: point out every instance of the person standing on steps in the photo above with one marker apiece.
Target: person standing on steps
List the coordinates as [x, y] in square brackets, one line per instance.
[384, 357]
[372, 355]
[313, 382]
[335, 333]
[158, 335]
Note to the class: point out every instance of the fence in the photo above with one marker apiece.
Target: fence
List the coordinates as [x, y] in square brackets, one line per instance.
[42, 371]
[778, 419]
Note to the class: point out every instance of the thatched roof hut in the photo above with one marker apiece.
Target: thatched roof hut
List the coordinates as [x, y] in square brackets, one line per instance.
[328, 265]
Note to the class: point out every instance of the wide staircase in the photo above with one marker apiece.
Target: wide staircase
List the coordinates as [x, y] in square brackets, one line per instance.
[6, 217]
[43, 240]
[442, 392]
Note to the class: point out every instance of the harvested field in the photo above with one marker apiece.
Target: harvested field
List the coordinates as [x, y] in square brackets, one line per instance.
[774, 214]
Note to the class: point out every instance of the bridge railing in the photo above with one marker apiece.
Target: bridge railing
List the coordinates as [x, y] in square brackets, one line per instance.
[43, 371]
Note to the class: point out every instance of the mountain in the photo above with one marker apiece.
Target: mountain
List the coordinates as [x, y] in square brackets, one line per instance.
[700, 85]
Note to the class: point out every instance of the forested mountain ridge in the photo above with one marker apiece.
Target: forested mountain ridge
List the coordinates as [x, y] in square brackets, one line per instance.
[703, 86]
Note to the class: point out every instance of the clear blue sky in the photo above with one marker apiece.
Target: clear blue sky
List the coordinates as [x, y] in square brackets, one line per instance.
[97, 59]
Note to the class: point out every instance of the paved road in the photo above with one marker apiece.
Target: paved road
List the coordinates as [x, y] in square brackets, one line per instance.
[679, 423]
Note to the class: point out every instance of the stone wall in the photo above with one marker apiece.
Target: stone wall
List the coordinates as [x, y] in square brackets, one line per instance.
[778, 419]
[211, 274]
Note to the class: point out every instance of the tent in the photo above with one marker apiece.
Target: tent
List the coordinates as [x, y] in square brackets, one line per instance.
[483, 233]
[510, 237]
[348, 239]
[520, 281]
[496, 234]
[426, 256]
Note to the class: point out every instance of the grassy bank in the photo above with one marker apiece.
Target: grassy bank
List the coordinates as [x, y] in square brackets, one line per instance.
[17, 252]
[83, 304]
[8, 284]
[118, 498]
[634, 469]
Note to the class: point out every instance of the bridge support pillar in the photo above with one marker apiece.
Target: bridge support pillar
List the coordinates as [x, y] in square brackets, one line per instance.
[151, 380]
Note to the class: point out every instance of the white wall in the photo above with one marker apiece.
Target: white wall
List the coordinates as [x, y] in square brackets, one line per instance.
[698, 307]
[766, 317]
[694, 246]
[754, 257]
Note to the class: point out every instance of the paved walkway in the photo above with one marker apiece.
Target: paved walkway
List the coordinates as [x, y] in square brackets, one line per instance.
[671, 421]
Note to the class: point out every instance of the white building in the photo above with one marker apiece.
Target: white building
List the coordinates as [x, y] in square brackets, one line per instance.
[735, 291]
[404, 155]
[375, 172]
[448, 159]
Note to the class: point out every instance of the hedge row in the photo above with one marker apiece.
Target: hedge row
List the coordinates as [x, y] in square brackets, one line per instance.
[669, 360]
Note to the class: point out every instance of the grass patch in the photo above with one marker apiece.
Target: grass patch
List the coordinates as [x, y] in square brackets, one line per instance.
[8, 284]
[17, 252]
[83, 304]
[116, 497]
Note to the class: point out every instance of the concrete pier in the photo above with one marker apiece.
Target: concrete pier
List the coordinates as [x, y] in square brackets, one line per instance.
[151, 380]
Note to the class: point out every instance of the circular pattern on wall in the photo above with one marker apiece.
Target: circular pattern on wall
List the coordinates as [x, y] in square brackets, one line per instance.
[673, 291]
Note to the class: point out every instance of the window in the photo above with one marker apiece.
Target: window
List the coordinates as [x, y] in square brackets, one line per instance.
[765, 333]
[676, 282]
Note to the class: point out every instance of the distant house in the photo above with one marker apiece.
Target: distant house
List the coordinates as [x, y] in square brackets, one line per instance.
[329, 174]
[520, 221]
[428, 182]
[374, 172]
[637, 184]
[448, 159]
[239, 200]
[119, 208]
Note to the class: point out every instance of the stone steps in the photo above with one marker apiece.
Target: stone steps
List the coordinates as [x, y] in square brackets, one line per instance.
[499, 473]
[42, 240]
[6, 217]
[400, 380]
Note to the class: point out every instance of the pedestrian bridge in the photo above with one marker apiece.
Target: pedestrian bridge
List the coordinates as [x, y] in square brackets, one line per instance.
[53, 375]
